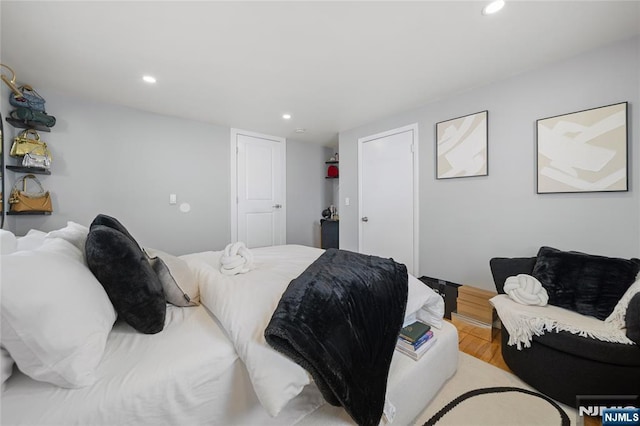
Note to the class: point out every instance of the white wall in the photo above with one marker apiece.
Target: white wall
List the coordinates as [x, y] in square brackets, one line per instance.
[125, 163]
[465, 222]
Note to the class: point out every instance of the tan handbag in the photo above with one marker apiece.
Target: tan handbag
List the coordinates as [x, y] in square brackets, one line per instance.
[23, 145]
[23, 201]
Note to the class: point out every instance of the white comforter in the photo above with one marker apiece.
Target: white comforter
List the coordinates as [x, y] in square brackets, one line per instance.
[275, 378]
[177, 377]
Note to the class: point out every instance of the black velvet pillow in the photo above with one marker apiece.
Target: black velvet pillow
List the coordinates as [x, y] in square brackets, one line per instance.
[131, 284]
[632, 319]
[112, 222]
[584, 283]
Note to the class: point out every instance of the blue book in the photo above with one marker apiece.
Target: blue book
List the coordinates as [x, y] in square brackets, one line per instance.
[415, 345]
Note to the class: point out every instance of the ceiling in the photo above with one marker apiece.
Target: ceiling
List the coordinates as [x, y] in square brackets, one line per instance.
[333, 65]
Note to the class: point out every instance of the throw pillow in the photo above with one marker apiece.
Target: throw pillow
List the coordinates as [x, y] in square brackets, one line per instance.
[55, 316]
[75, 233]
[113, 223]
[178, 280]
[587, 284]
[632, 319]
[122, 268]
[505, 267]
[63, 248]
[526, 290]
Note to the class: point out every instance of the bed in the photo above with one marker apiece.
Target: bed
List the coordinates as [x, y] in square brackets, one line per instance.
[207, 364]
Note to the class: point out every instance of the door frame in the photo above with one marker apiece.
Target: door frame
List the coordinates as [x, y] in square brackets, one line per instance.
[234, 179]
[416, 201]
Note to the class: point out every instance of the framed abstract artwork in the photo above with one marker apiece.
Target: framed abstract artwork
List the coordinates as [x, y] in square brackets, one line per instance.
[584, 151]
[461, 146]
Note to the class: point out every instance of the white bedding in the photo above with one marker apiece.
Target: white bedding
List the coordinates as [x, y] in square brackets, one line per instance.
[190, 373]
[244, 304]
[169, 378]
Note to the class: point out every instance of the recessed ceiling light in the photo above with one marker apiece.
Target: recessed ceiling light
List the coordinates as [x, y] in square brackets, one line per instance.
[286, 116]
[149, 79]
[493, 7]
[300, 130]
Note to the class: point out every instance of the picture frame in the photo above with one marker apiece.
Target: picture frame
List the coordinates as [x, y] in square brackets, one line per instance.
[462, 146]
[583, 151]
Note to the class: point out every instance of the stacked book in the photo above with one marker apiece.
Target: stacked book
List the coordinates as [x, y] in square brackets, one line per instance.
[415, 340]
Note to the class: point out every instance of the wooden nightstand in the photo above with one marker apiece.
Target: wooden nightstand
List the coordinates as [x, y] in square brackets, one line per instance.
[475, 314]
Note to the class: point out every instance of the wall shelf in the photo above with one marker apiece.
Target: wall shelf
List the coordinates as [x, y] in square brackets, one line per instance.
[26, 124]
[34, 170]
[10, 213]
[21, 124]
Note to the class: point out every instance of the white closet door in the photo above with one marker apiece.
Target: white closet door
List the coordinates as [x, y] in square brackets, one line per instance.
[388, 196]
[260, 186]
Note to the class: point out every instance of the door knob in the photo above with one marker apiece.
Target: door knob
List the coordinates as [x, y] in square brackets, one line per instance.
[277, 206]
[365, 219]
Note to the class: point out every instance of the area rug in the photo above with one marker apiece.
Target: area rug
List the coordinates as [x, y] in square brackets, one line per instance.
[480, 394]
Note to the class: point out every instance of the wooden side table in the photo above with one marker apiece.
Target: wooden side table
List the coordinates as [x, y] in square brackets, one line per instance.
[475, 314]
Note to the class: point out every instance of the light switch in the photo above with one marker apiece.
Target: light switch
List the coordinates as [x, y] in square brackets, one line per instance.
[173, 198]
[347, 201]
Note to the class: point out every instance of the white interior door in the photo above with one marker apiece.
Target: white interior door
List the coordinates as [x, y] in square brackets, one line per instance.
[259, 189]
[388, 194]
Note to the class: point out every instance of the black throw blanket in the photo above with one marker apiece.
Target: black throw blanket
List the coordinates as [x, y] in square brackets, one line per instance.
[340, 320]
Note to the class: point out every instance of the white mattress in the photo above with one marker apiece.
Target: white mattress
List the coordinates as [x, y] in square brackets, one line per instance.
[190, 374]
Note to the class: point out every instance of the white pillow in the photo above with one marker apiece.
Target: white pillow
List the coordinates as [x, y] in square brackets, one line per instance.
[8, 242]
[31, 241]
[423, 304]
[6, 364]
[617, 317]
[244, 304]
[178, 280]
[75, 233]
[63, 248]
[526, 290]
[55, 315]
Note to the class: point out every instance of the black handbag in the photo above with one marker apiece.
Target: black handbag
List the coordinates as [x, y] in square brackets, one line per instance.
[28, 114]
[29, 99]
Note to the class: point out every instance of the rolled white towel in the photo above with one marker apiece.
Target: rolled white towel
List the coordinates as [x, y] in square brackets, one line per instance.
[236, 259]
[526, 290]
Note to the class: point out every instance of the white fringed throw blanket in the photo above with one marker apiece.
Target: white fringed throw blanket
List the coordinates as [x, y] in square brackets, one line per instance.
[525, 321]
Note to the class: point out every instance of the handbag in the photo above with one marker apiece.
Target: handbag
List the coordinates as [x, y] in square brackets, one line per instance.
[23, 144]
[27, 114]
[29, 99]
[24, 201]
[36, 160]
[11, 82]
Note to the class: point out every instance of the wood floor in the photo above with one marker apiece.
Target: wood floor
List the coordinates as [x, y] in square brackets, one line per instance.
[491, 353]
[486, 351]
